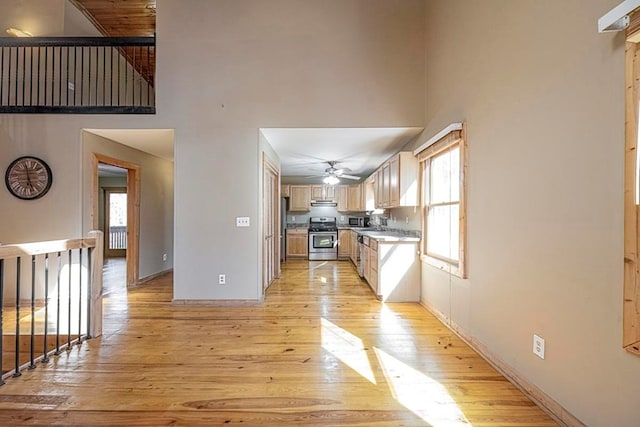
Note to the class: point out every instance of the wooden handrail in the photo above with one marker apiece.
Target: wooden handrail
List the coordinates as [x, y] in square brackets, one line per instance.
[40, 248]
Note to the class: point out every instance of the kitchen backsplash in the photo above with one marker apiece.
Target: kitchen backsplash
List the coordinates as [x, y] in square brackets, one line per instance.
[398, 218]
[326, 211]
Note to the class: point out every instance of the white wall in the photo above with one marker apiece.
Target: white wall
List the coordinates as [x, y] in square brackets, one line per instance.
[543, 97]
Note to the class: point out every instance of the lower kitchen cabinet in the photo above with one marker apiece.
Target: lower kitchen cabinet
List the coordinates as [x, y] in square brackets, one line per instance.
[392, 270]
[344, 244]
[297, 243]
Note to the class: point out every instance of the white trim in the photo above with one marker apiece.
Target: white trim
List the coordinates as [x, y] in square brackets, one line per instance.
[444, 132]
[617, 18]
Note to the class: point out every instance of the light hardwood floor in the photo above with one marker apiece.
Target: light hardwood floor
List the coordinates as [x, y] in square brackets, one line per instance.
[321, 350]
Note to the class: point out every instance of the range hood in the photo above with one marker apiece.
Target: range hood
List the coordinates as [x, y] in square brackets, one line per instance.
[326, 203]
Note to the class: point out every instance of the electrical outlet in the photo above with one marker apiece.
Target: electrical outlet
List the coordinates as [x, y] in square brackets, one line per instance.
[222, 279]
[242, 221]
[342, 218]
[293, 218]
[164, 257]
[407, 220]
[538, 346]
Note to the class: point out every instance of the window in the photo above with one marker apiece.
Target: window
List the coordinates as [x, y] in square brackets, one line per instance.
[442, 165]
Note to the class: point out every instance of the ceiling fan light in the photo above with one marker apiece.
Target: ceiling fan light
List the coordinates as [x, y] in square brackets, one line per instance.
[331, 180]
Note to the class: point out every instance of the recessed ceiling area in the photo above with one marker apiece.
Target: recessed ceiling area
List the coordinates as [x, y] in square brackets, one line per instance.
[304, 152]
[157, 142]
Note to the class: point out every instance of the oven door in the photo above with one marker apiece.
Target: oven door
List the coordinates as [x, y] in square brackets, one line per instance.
[322, 242]
[323, 245]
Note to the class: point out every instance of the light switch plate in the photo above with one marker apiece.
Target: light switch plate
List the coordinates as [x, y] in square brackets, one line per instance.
[242, 221]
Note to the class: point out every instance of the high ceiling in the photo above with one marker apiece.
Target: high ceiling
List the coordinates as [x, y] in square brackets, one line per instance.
[125, 18]
[303, 152]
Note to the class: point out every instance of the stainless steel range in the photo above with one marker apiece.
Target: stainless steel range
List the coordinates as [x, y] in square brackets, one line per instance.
[323, 238]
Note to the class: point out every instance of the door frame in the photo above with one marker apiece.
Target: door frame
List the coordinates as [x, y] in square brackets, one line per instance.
[269, 166]
[133, 209]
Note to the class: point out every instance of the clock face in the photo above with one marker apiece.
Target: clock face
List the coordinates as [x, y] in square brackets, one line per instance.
[28, 178]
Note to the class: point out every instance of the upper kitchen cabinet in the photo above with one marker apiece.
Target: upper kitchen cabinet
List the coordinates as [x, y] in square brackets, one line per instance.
[285, 190]
[355, 198]
[300, 198]
[350, 198]
[396, 182]
[342, 196]
[323, 192]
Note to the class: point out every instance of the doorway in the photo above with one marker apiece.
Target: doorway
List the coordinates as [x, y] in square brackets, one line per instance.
[270, 222]
[118, 206]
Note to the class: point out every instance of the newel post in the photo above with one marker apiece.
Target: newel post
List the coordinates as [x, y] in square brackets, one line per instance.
[97, 260]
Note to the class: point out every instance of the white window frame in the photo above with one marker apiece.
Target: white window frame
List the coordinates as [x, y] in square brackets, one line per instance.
[449, 139]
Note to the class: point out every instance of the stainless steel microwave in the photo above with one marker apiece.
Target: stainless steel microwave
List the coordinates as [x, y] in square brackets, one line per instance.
[358, 221]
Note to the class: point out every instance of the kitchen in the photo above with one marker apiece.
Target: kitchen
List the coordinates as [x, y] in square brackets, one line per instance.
[332, 211]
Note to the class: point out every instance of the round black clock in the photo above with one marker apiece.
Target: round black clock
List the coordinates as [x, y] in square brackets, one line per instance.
[28, 178]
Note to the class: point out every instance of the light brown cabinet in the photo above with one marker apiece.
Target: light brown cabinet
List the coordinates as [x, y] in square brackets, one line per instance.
[342, 196]
[317, 192]
[396, 182]
[297, 243]
[300, 198]
[323, 192]
[285, 190]
[344, 244]
[355, 198]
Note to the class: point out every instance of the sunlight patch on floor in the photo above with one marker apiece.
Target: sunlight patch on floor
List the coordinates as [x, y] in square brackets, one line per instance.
[422, 395]
[348, 348]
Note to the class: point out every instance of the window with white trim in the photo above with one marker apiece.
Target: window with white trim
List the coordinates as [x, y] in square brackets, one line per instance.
[442, 168]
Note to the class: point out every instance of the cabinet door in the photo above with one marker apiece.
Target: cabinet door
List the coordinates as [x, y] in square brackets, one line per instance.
[394, 182]
[385, 185]
[373, 270]
[343, 198]
[285, 190]
[300, 198]
[354, 203]
[330, 192]
[344, 243]
[297, 244]
[316, 192]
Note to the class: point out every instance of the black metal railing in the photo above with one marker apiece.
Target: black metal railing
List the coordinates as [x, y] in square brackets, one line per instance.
[83, 75]
[45, 307]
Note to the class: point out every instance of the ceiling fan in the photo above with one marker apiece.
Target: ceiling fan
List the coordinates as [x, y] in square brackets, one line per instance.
[332, 174]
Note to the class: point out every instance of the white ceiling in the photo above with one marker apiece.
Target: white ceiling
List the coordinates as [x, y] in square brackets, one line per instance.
[158, 142]
[110, 171]
[304, 152]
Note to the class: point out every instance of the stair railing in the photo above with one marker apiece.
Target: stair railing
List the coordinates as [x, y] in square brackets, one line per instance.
[50, 299]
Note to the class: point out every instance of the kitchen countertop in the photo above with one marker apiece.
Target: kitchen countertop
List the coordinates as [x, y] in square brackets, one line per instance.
[388, 235]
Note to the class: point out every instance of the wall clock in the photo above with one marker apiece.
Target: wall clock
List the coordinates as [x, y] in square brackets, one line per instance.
[28, 178]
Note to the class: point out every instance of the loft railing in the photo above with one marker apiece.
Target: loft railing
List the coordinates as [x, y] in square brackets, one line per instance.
[50, 300]
[77, 75]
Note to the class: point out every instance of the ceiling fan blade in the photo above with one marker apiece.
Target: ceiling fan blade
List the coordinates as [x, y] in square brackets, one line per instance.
[349, 177]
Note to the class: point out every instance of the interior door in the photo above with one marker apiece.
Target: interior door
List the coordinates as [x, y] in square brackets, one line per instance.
[270, 223]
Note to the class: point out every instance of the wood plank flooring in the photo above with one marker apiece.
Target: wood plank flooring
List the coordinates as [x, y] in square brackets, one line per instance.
[320, 351]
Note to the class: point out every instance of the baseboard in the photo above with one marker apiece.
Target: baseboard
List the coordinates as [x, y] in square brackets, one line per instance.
[217, 302]
[153, 276]
[543, 400]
